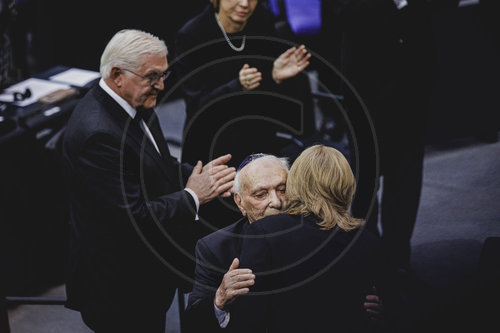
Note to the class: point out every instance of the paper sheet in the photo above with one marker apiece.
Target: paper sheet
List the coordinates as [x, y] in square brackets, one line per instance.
[76, 76]
[37, 87]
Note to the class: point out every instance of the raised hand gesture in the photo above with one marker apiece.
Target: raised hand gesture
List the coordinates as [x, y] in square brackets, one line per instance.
[290, 63]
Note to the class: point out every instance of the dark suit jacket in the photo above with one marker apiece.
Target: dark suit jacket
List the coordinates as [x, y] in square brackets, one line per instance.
[214, 255]
[307, 279]
[130, 217]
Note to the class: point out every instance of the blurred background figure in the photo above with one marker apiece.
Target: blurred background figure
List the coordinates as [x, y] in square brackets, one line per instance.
[20, 51]
[488, 10]
[389, 56]
[7, 16]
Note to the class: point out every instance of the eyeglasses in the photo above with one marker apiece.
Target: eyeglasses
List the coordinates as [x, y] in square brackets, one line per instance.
[249, 159]
[19, 96]
[153, 78]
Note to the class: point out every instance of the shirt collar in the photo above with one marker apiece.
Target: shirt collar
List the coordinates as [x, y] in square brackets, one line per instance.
[123, 103]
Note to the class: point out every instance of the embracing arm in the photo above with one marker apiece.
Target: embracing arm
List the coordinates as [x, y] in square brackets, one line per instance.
[215, 289]
[200, 311]
[250, 312]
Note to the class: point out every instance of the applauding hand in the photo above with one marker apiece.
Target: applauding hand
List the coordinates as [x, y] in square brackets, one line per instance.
[212, 179]
[250, 77]
[290, 63]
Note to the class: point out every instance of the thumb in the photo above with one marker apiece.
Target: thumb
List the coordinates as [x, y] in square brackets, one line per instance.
[198, 168]
[235, 264]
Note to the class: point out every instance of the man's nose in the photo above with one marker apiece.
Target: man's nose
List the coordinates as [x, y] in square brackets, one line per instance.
[160, 84]
[274, 200]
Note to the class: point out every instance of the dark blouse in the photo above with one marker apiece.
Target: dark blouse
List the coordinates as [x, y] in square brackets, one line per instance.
[222, 118]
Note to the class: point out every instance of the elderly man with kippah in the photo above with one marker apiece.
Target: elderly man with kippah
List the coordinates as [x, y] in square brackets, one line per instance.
[259, 191]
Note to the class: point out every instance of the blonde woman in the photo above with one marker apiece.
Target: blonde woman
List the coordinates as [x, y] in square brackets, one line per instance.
[315, 263]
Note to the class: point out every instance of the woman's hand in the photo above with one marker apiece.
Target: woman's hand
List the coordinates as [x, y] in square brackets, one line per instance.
[290, 63]
[250, 77]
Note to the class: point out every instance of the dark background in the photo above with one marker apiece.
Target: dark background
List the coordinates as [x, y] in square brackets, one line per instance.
[74, 33]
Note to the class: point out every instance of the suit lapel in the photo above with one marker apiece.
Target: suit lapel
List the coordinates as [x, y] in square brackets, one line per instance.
[153, 124]
[165, 159]
[136, 134]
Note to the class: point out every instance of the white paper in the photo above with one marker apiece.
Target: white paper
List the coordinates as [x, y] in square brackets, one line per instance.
[76, 76]
[8, 98]
[464, 3]
[38, 88]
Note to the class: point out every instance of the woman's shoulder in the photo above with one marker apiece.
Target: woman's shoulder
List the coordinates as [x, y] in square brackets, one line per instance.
[197, 24]
[275, 222]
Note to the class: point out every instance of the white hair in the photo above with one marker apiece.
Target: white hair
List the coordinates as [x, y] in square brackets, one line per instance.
[280, 161]
[127, 47]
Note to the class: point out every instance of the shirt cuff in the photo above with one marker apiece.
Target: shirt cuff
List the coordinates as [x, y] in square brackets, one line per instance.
[196, 201]
[222, 316]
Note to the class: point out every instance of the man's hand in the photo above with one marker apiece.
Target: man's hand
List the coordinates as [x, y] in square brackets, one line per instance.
[290, 63]
[373, 306]
[213, 179]
[250, 77]
[235, 282]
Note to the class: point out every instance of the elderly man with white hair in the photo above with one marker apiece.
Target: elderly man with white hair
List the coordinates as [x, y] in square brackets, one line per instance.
[132, 205]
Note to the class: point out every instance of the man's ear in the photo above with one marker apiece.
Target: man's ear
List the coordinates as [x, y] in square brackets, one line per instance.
[237, 200]
[116, 76]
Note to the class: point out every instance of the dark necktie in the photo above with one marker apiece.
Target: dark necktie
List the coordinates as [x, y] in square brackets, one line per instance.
[144, 114]
[147, 116]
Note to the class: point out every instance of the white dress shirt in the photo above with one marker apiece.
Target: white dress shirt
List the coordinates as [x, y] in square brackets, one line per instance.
[222, 316]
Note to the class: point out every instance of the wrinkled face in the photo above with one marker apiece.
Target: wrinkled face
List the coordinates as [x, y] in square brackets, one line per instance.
[237, 11]
[262, 192]
[137, 91]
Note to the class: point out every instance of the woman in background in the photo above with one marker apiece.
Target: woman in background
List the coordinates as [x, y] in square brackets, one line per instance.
[240, 85]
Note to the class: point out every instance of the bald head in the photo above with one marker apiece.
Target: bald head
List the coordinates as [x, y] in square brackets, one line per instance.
[260, 187]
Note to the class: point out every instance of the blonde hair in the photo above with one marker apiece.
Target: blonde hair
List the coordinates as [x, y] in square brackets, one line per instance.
[321, 182]
[126, 49]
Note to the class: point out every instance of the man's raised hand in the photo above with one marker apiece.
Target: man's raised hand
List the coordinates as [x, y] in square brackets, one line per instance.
[213, 179]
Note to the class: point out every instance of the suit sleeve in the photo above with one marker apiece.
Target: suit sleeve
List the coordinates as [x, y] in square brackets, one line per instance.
[112, 177]
[186, 170]
[200, 314]
[250, 313]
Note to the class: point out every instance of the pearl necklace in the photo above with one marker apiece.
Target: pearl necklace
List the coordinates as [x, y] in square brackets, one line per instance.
[237, 49]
